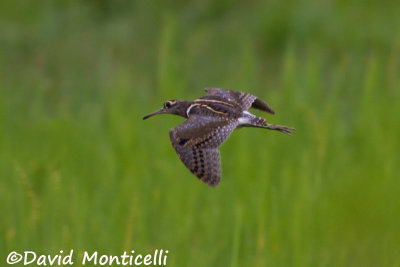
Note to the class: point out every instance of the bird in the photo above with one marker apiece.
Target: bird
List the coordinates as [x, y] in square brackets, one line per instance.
[209, 122]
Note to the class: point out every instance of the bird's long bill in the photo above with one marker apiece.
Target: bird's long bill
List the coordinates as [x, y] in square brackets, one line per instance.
[160, 111]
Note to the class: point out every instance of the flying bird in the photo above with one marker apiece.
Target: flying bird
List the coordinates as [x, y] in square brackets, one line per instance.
[209, 122]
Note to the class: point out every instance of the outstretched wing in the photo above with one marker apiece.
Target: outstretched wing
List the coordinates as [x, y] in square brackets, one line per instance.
[245, 100]
[196, 142]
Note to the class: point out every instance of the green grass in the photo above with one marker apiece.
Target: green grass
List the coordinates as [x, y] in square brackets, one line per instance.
[79, 169]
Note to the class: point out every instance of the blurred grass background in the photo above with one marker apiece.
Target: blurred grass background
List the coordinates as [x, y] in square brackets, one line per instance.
[79, 169]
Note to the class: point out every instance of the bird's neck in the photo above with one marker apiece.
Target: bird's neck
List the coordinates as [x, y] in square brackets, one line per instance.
[183, 107]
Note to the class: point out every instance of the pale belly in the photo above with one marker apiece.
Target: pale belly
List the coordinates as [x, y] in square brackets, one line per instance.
[245, 118]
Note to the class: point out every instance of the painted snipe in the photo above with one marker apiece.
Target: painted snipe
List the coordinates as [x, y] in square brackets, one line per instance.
[210, 121]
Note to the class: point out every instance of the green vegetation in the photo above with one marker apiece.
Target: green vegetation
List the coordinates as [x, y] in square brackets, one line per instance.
[79, 169]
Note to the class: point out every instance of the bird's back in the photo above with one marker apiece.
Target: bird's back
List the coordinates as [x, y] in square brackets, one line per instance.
[216, 107]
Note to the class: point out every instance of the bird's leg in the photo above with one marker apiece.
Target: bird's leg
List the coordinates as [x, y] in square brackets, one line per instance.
[250, 120]
[284, 129]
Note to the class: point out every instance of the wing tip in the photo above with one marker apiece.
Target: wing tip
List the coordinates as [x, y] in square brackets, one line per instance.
[271, 111]
[211, 183]
[263, 106]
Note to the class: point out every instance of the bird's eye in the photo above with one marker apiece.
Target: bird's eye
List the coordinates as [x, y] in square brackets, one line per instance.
[168, 104]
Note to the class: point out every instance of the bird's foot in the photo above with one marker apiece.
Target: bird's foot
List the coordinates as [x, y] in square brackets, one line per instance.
[284, 129]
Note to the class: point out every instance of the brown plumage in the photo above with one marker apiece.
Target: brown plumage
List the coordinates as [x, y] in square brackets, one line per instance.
[210, 121]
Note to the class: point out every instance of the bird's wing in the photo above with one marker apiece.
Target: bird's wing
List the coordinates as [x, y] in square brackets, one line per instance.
[244, 99]
[196, 142]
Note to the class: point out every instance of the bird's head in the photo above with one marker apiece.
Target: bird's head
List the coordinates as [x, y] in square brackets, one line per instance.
[175, 106]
